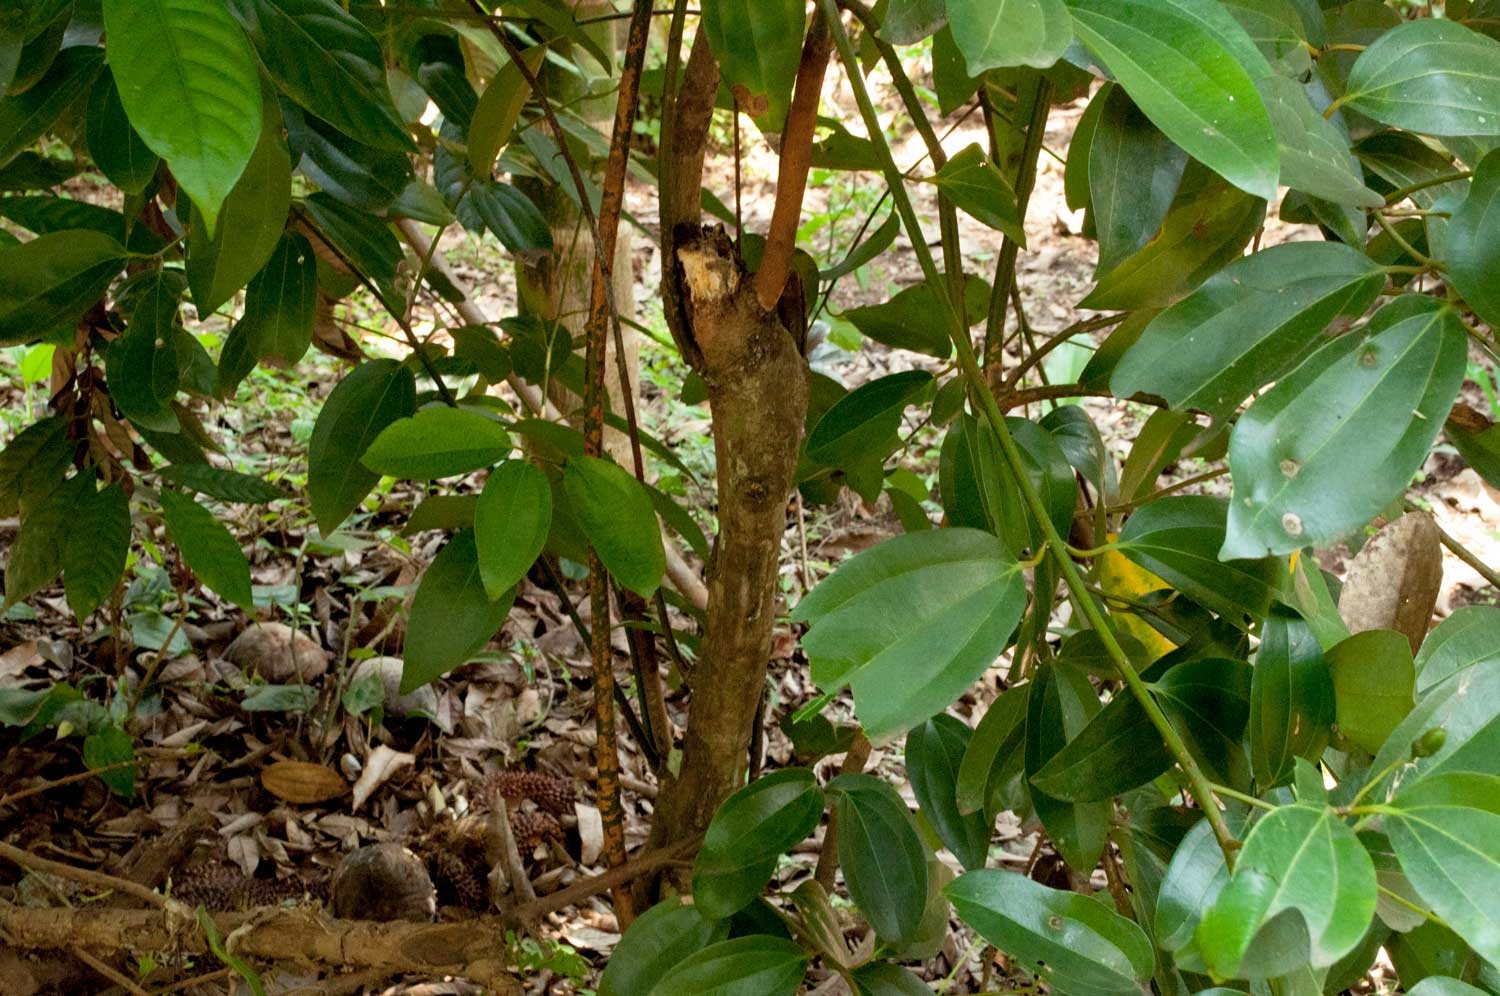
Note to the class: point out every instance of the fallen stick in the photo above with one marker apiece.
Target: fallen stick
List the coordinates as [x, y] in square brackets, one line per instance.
[301, 935]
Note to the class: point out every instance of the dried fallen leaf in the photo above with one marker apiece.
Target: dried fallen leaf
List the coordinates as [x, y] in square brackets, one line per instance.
[590, 833]
[302, 782]
[379, 766]
[1394, 581]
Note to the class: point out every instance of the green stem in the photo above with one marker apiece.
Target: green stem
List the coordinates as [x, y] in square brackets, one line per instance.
[1239, 796]
[1402, 193]
[1201, 789]
[1406, 247]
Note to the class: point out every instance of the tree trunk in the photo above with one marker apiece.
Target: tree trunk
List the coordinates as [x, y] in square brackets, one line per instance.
[757, 387]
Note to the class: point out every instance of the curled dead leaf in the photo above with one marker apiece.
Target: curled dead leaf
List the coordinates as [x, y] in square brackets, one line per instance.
[302, 782]
[379, 766]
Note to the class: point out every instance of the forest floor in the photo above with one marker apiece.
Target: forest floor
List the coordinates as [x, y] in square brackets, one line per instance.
[426, 768]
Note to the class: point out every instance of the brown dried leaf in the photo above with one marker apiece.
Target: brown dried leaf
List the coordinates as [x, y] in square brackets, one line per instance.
[302, 782]
[1394, 581]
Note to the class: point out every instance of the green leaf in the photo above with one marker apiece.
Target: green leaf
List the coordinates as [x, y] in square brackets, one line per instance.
[1471, 635]
[757, 965]
[364, 241]
[1432, 76]
[1446, 832]
[27, 116]
[1291, 699]
[1247, 325]
[758, 44]
[911, 623]
[906, 321]
[219, 263]
[882, 857]
[975, 184]
[1191, 68]
[511, 523]
[1436, 985]
[1299, 858]
[1208, 225]
[111, 746]
[1059, 707]
[281, 302]
[33, 464]
[1192, 882]
[1471, 241]
[748, 834]
[438, 442]
[864, 420]
[1276, 28]
[1373, 681]
[1177, 538]
[113, 144]
[327, 61]
[188, 82]
[37, 553]
[47, 283]
[225, 485]
[909, 21]
[94, 552]
[885, 979]
[997, 34]
[46, 214]
[498, 111]
[995, 745]
[355, 174]
[369, 398]
[1075, 943]
[934, 753]
[208, 548]
[1314, 150]
[1331, 444]
[142, 364]
[659, 939]
[1133, 171]
[279, 698]
[452, 617]
[615, 512]
[510, 215]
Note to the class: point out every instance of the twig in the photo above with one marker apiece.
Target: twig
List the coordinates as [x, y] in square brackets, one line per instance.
[508, 860]
[1464, 553]
[78, 776]
[106, 970]
[828, 857]
[84, 876]
[619, 875]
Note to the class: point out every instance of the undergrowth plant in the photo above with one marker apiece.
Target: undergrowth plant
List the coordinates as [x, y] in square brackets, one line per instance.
[1241, 793]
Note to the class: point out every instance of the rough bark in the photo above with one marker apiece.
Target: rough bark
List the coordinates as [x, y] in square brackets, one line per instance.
[757, 387]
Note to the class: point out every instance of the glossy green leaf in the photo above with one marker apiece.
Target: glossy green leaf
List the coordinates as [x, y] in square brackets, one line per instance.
[1446, 832]
[114, 146]
[47, 283]
[1207, 700]
[364, 241]
[995, 745]
[934, 753]
[253, 216]
[1469, 636]
[906, 321]
[27, 116]
[864, 419]
[1466, 707]
[361, 405]
[326, 60]
[1302, 859]
[615, 512]
[1291, 698]
[909, 21]
[1177, 538]
[1247, 325]
[758, 44]
[33, 464]
[1191, 68]
[142, 364]
[1431, 76]
[1314, 150]
[511, 523]
[1471, 241]
[1208, 225]
[1373, 681]
[188, 83]
[1076, 943]
[1133, 172]
[881, 854]
[911, 623]
[1277, 29]
[1192, 882]
[452, 617]
[658, 940]
[225, 485]
[281, 302]
[976, 185]
[1330, 445]
[36, 555]
[756, 965]
[886, 979]
[748, 834]
[208, 548]
[357, 175]
[498, 111]
[106, 748]
[997, 34]
[438, 442]
[510, 215]
[94, 551]
[1061, 703]
[1435, 985]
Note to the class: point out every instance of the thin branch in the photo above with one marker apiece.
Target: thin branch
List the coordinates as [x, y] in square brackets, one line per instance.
[84, 876]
